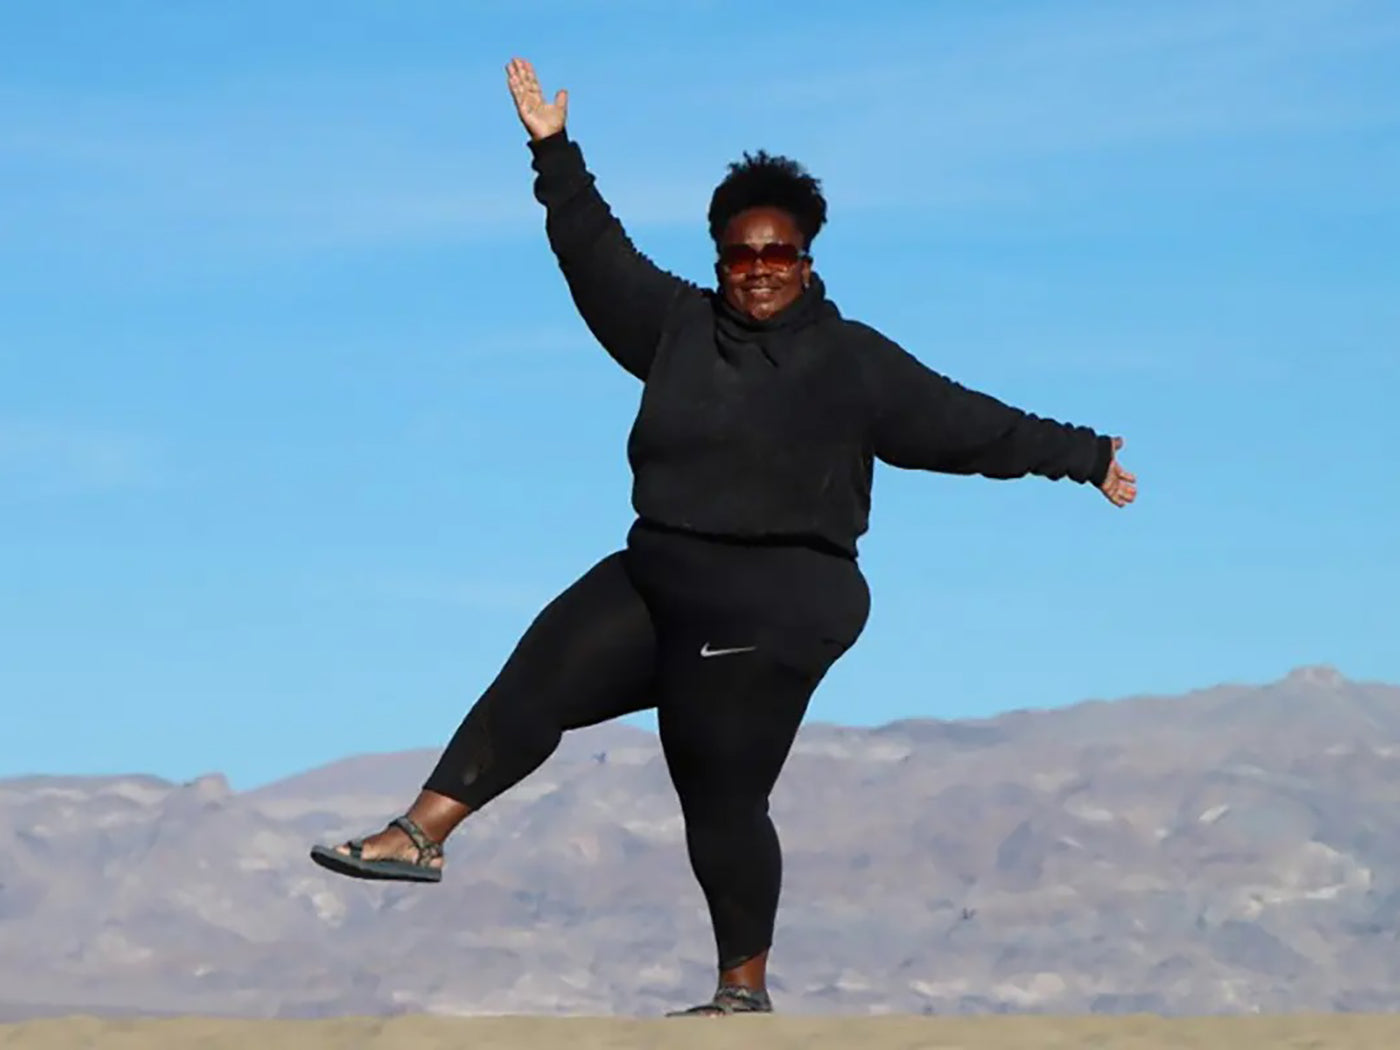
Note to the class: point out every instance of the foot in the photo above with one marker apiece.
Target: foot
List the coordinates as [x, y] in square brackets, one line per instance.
[730, 999]
[402, 852]
[393, 843]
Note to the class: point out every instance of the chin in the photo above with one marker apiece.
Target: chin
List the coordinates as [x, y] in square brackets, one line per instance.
[766, 308]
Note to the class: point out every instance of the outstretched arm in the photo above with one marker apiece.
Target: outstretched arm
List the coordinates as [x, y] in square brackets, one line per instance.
[925, 421]
[622, 296]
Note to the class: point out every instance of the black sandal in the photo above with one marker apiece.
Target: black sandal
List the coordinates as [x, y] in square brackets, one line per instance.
[730, 999]
[357, 866]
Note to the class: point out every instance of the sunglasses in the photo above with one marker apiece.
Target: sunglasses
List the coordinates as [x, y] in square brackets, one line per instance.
[741, 258]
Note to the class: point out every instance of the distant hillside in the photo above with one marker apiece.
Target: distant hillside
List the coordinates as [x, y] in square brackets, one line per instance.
[1234, 849]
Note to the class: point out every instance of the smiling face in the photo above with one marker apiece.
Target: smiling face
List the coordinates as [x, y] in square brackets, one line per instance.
[763, 266]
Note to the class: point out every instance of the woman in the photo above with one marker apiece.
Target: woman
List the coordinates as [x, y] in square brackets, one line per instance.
[762, 412]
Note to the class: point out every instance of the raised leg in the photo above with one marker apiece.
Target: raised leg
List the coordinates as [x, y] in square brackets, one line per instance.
[589, 657]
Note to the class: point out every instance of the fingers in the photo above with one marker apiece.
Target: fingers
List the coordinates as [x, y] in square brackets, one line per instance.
[520, 76]
[1121, 495]
[1119, 487]
[522, 72]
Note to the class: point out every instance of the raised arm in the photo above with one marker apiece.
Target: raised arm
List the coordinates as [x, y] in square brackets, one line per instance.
[622, 296]
[925, 421]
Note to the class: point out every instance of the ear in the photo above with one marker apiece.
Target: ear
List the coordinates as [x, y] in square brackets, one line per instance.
[807, 271]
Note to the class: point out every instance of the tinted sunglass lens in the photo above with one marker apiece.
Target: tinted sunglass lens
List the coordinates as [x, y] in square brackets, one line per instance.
[782, 255]
[738, 257]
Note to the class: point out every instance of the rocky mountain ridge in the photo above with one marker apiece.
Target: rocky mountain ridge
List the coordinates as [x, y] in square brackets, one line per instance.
[1231, 850]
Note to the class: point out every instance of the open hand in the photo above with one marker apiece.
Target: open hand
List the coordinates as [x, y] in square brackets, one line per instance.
[541, 118]
[1118, 485]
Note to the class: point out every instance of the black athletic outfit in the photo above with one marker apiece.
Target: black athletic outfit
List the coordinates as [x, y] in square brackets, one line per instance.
[738, 588]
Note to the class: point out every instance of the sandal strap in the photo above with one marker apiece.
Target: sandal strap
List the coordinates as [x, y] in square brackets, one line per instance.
[732, 999]
[735, 998]
[427, 848]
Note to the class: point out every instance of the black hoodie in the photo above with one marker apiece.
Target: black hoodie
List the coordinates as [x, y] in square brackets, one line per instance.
[769, 430]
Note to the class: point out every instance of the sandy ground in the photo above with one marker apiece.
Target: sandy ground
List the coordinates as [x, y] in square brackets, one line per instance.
[1353, 1031]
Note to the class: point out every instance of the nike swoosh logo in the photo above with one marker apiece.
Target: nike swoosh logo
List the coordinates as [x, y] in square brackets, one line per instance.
[705, 650]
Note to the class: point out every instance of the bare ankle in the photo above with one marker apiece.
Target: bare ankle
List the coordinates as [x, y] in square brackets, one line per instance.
[437, 814]
[752, 973]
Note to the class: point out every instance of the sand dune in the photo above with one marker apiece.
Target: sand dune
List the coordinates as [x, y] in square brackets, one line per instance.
[1353, 1031]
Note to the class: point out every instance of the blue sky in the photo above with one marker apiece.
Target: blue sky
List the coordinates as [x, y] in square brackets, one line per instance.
[298, 429]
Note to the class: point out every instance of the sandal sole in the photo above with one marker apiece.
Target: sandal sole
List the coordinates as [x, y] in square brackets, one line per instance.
[373, 870]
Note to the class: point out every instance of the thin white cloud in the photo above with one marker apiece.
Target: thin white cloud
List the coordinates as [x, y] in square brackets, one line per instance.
[253, 179]
[933, 107]
[942, 121]
[304, 163]
[48, 458]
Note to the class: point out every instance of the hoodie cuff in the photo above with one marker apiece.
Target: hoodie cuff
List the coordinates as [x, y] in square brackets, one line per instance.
[1103, 457]
[555, 153]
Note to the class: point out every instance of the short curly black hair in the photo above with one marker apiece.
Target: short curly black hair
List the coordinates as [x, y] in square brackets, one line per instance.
[762, 180]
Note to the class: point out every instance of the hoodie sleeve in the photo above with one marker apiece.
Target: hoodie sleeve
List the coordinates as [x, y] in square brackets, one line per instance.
[622, 296]
[922, 420]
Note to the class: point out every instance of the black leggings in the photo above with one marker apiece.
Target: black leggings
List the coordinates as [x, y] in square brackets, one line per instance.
[727, 642]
